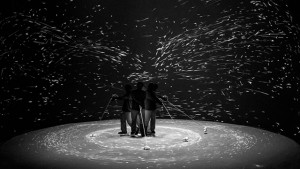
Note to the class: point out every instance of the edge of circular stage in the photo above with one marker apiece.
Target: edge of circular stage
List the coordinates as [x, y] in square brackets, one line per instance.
[176, 144]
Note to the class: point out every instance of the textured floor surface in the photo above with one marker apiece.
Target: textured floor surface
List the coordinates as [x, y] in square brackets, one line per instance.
[177, 144]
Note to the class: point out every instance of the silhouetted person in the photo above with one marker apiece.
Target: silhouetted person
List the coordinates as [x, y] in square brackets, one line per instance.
[126, 113]
[150, 106]
[138, 97]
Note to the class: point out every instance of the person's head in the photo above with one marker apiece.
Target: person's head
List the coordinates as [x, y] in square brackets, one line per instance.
[139, 85]
[155, 86]
[127, 88]
[150, 87]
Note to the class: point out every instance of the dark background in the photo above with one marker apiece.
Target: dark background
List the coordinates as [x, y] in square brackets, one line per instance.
[61, 61]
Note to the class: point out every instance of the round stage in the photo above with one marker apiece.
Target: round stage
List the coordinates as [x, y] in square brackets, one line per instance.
[177, 144]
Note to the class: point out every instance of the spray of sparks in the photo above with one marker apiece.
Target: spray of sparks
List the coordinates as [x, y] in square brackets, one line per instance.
[216, 60]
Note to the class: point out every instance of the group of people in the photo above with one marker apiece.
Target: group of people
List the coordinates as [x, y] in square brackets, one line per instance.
[139, 109]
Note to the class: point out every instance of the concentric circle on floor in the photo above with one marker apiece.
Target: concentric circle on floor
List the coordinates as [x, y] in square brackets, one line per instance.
[177, 144]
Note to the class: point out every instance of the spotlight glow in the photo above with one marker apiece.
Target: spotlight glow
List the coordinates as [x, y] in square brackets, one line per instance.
[97, 144]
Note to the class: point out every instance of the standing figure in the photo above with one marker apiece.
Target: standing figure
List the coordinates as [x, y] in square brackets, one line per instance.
[138, 97]
[126, 114]
[151, 106]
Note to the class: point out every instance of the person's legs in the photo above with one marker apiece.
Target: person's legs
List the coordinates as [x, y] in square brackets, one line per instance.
[142, 122]
[147, 118]
[134, 114]
[123, 123]
[128, 118]
[138, 123]
[152, 123]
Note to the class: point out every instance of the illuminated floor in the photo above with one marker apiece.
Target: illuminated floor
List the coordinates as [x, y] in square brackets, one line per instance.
[178, 144]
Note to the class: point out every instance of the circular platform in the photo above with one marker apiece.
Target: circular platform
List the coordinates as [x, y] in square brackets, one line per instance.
[177, 144]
